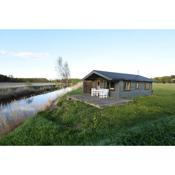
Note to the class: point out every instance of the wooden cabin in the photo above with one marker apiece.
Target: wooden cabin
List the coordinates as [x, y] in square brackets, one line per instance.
[120, 85]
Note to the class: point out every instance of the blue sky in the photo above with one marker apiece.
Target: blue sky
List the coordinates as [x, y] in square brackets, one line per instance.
[33, 53]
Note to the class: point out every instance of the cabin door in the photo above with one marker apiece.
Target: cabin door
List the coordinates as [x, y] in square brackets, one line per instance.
[98, 84]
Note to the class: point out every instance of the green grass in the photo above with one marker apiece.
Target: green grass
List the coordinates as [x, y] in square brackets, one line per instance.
[145, 121]
[75, 81]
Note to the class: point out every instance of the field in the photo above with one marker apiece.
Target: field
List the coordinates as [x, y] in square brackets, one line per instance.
[145, 121]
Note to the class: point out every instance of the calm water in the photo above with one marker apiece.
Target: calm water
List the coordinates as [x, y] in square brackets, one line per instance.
[17, 111]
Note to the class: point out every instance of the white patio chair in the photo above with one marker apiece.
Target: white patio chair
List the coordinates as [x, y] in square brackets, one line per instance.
[93, 91]
[101, 93]
[106, 93]
[96, 93]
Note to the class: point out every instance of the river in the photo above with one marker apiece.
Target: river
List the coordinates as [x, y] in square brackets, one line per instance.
[14, 113]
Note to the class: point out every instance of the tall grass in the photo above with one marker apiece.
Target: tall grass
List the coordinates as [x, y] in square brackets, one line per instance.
[145, 121]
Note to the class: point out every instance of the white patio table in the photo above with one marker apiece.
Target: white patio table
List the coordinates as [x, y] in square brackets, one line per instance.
[101, 93]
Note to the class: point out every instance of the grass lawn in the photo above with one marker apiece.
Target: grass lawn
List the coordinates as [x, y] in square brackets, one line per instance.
[145, 121]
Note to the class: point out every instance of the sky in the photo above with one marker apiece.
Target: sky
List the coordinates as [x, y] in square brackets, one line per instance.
[33, 53]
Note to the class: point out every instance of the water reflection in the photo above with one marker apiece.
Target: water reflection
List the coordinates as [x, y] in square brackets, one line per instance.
[15, 112]
[30, 100]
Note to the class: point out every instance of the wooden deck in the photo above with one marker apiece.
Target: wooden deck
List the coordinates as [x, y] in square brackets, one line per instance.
[98, 102]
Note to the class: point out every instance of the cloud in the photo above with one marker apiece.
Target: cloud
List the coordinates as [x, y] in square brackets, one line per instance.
[3, 52]
[26, 54]
[31, 55]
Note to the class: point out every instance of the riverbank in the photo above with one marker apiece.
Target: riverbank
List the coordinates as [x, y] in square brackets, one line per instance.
[145, 121]
[15, 91]
[16, 112]
[8, 94]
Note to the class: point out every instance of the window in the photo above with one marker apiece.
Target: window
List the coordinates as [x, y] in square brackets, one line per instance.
[127, 85]
[147, 86]
[112, 86]
[137, 85]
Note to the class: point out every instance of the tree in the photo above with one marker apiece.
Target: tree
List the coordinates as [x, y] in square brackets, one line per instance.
[11, 76]
[63, 71]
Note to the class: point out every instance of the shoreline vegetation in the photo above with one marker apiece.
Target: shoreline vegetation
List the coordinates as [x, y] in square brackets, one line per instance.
[15, 91]
[10, 78]
[145, 121]
[10, 94]
[15, 113]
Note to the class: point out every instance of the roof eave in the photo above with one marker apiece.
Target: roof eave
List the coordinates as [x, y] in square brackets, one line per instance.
[95, 72]
[132, 80]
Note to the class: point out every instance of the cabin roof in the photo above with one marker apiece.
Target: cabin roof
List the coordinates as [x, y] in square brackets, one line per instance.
[114, 76]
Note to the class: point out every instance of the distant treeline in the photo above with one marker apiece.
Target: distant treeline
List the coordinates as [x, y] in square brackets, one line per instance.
[4, 78]
[165, 79]
[72, 81]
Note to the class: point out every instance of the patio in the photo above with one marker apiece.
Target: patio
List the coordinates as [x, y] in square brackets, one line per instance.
[98, 102]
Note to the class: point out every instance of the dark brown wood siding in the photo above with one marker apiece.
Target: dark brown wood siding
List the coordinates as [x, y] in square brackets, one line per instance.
[87, 85]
